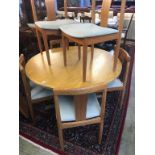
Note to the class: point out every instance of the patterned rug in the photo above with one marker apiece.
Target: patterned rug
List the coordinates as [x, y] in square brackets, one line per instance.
[80, 140]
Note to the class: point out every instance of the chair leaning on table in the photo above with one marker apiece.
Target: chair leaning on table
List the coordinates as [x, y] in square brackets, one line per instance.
[120, 83]
[90, 34]
[34, 93]
[49, 27]
[78, 108]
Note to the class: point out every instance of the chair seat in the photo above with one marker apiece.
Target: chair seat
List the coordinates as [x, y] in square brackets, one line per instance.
[67, 107]
[32, 84]
[38, 92]
[115, 83]
[54, 25]
[84, 30]
[31, 25]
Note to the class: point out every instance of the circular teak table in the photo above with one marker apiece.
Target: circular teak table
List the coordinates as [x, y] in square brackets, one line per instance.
[56, 75]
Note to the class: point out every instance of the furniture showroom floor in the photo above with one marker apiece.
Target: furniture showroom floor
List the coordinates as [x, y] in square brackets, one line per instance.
[127, 146]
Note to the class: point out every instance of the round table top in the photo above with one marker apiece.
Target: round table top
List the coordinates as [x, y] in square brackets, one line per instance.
[56, 75]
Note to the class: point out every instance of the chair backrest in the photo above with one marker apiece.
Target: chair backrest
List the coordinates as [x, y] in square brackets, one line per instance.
[50, 9]
[80, 100]
[125, 60]
[105, 14]
[24, 78]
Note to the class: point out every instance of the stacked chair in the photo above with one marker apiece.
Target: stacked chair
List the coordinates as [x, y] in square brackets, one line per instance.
[49, 27]
[85, 34]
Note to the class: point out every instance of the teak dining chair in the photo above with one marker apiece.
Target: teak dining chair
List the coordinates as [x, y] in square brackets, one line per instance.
[79, 108]
[86, 34]
[119, 84]
[49, 27]
[34, 93]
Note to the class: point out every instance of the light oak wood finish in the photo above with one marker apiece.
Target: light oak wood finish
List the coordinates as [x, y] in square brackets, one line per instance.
[125, 60]
[51, 15]
[80, 98]
[27, 88]
[99, 71]
[98, 39]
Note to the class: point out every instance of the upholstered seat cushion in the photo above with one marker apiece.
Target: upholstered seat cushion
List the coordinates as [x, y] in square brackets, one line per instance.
[32, 84]
[67, 107]
[54, 25]
[84, 30]
[115, 83]
[31, 25]
[38, 92]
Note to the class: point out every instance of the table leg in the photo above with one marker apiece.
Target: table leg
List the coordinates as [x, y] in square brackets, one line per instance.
[39, 40]
[79, 52]
[46, 47]
[84, 62]
[64, 50]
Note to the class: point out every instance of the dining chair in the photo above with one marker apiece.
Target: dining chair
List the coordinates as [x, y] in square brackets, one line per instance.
[86, 34]
[79, 108]
[34, 93]
[120, 83]
[49, 26]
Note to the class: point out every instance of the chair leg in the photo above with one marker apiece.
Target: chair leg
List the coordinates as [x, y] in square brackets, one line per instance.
[116, 53]
[61, 138]
[84, 62]
[100, 132]
[79, 52]
[46, 47]
[92, 52]
[122, 98]
[39, 40]
[64, 50]
[67, 44]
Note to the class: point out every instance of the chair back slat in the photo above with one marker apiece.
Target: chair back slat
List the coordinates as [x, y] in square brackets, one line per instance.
[65, 8]
[34, 11]
[80, 101]
[105, 12]
[50, 8]
[93, 11]
[80, 107]
[120, 23]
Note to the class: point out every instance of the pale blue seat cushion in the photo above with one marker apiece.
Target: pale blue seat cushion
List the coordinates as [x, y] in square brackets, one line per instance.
[67, 107]
[84, 30]
[38, 92]
[32, 84]
[115, 83]
[54, 25]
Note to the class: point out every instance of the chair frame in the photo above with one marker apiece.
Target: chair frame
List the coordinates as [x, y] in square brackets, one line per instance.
[123, 56]
[27, 89]
[80, 98]
[98, 39]
[45, 32]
